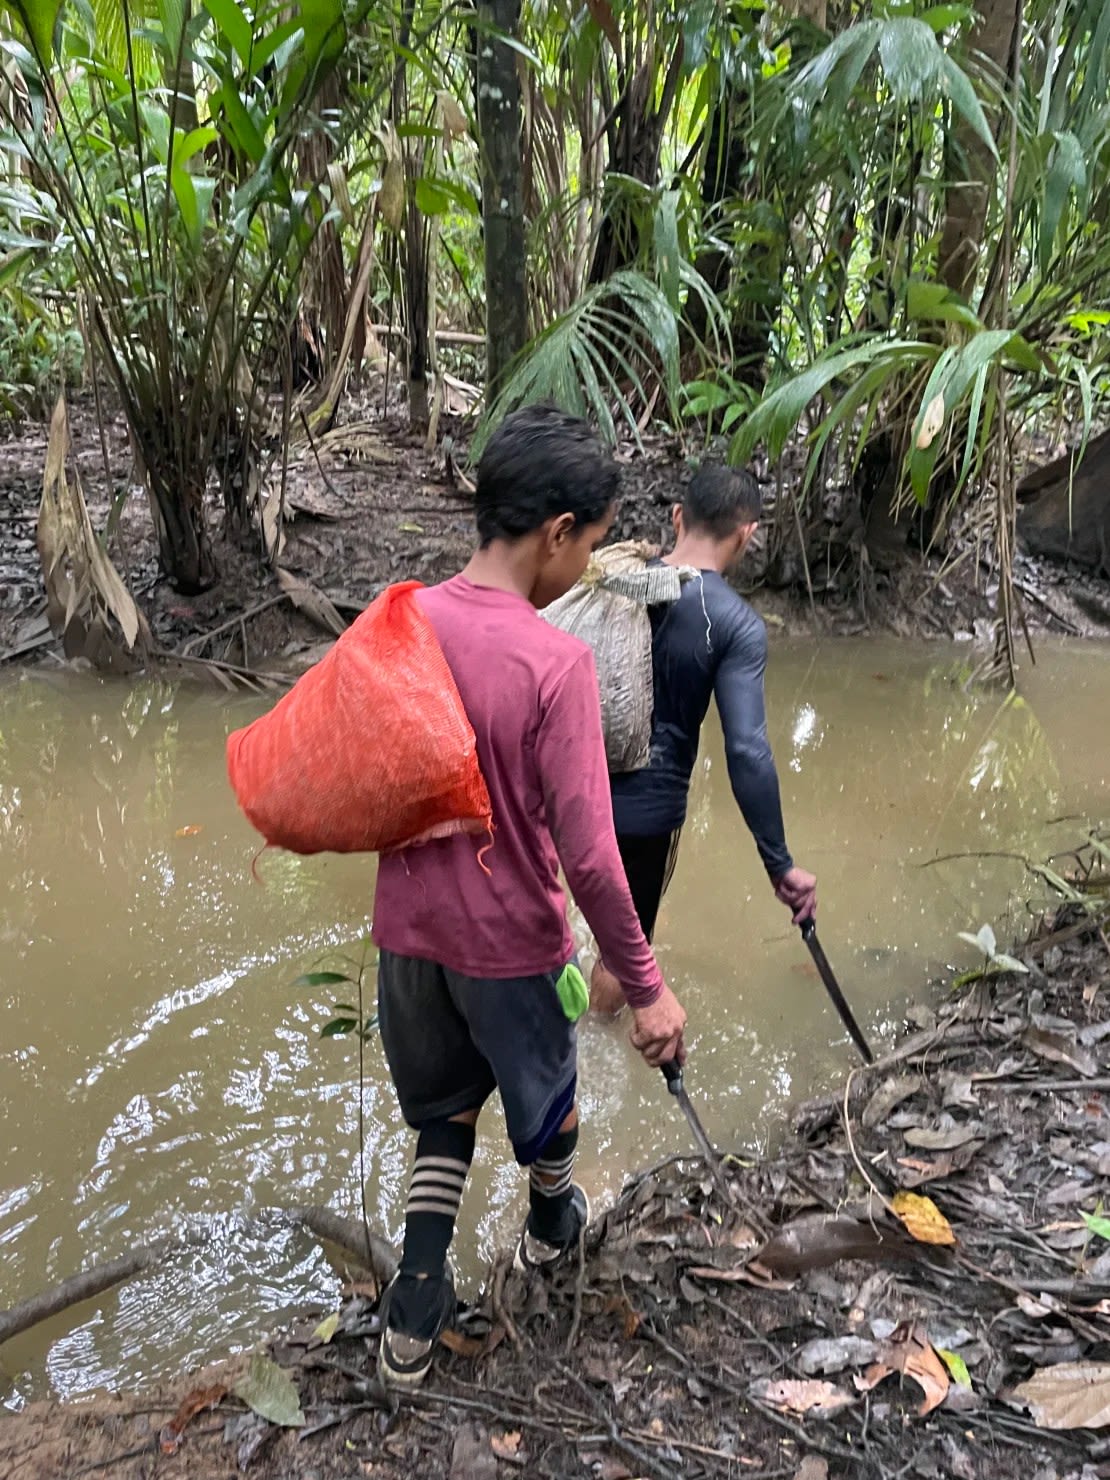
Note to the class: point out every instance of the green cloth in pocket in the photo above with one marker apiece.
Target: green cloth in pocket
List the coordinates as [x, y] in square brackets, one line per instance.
[573, 992]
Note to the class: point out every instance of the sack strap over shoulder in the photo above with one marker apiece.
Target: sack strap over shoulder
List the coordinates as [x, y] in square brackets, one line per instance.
[651, 585]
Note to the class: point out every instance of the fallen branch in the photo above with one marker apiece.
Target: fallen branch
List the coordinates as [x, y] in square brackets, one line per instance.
[349, 1235]
[369, 1249]
[80, 1287]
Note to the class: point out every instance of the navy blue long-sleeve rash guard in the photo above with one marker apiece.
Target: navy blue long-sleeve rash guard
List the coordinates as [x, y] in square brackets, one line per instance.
[707, 644]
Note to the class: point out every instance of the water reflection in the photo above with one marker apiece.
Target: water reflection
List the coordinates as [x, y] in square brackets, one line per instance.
[157, 1064]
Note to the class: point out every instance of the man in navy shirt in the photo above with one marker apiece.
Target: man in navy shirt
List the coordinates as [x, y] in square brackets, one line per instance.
[709, 644]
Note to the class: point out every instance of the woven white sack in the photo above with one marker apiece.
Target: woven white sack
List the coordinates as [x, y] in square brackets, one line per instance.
[608, 609]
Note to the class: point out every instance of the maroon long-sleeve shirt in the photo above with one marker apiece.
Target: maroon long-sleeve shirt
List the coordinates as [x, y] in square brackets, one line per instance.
[530, 692]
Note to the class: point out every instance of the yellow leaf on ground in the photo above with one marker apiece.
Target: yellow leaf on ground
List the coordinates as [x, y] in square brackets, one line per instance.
[327, 1328]
[923, 1220]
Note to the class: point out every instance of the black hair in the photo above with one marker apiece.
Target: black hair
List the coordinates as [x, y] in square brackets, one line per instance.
[540, 463]
[718, 500]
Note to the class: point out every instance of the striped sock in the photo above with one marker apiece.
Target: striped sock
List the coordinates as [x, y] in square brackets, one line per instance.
[444, 1151]
[549, 1196]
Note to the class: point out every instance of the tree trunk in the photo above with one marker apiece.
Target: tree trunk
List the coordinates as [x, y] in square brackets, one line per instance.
[726, 177]
[318, 333]
[1065, 510]
[499, 134]
[634, 148]
[969, 165]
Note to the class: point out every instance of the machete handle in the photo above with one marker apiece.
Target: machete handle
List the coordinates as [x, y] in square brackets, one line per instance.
[672, 1073]
[808, 927]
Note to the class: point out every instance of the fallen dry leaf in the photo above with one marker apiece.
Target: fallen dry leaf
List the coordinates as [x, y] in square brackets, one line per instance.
[472, 1346]
[923, 1220]
[827, 1355]
[940, 1140]
[1073, 1395]
[507, 1445]
[908, 1351]
[792, 1395]
[1060, 1050]
[918, 1172]
[888, 1097]
[313, 603]
[619, 1305]
[192, 1404]
[813, 1467]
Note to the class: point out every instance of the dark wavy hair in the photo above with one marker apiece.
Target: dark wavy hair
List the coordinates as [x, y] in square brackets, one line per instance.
[540, 463]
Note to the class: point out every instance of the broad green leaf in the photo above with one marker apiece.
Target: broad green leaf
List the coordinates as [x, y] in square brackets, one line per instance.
[1067, 171]
[1097, 1224]
[338, 1026]
[321, 979]
[431, 198]
[286, 35]
[934, 302]
[232, 21]
[1005, 962]
[956, 1365]
[157, 127]
[186, 196]
[910, 56]
[270, 1393]
[187, 145]
[943, 17]
[244, 131]
[972, 434]
[324, 33]
[667, 251]
[205, 192]
[850, 51]
[39, 17]
[958, 86]
[774, 420]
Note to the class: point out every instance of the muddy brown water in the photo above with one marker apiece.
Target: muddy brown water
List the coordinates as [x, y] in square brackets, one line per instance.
[158, 1066]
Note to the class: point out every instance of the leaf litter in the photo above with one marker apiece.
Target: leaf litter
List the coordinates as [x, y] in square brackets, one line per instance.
[877, 1331]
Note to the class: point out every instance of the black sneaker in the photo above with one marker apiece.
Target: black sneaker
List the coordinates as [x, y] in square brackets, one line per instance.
[536, 1253]
[403, 1361]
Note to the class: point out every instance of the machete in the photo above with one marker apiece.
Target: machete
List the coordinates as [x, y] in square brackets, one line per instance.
[832, 986]
[672, 1073]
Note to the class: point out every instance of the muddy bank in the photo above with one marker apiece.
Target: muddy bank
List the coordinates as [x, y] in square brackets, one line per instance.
[367, 504]
[821, 1323]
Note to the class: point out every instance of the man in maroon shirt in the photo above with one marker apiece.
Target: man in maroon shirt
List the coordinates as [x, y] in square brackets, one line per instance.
[478, 988]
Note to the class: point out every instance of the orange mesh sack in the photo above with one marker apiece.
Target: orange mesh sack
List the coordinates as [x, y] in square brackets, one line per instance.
[371, 750]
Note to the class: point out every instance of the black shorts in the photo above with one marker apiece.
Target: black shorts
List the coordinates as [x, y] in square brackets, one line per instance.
[451, 1040]
[649, 867]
